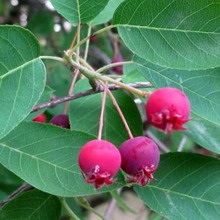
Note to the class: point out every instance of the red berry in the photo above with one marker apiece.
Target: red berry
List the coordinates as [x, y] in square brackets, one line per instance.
[118, 69]
[99, 161]
[61, 120]
[40, 118]
[139, 159]
[168, 109]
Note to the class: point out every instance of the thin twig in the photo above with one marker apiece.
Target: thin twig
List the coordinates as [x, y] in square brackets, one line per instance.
[111, 206]
[182, 143]
[86, 93]
[162, 146]
[24, 187]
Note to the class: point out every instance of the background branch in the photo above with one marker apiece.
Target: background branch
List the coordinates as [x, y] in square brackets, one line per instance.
[86, 93]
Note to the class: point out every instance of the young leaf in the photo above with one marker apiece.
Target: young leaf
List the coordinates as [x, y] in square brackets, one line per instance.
[76, 11]
[22, 76]
[186, 186]
[202, 88]
[32, 205]
[85, 113]
[46, 157]
[176, 34]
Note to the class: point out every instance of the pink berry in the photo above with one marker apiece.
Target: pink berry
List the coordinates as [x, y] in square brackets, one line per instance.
[139, 159]
[168, 109]
[40, 118]
[61, 120]
[118, 69]
[99, 161]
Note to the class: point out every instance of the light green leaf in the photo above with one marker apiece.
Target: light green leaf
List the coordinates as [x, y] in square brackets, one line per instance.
[177, 34]
[203, 90]
[47, 158]
[107, 13]
[32, 205]
[186, 186]
[76, 11]
[85, 114]
[22, 76]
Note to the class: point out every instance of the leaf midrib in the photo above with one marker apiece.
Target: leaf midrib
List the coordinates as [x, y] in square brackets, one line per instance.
[165, 29]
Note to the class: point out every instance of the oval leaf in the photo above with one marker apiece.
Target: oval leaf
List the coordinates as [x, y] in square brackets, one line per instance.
[203, 89]
[85, 113]
[47, 158]
[186, 186]
[176, 34]
[32, 205]
[22, 76]
[76, 11]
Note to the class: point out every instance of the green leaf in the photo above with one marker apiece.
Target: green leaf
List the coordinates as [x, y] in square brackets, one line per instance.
[107, 14]
[85, 113]
[76, 11]
[186, 186]
[176, 34]
[22, 76]
[203, 90]
[32, 205]
[47, 158]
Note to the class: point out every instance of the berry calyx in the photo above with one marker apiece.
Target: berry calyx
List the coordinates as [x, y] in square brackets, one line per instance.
[40, 118]
[139, 159]
[168, 109]
[61, 120]
[99, 161]
[118, 69]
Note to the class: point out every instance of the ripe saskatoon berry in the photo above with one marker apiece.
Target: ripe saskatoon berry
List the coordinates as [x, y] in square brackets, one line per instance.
[168, 109]
[61, 120]
[118, 69]
[40, 118]
[139, 159]
[99, 161]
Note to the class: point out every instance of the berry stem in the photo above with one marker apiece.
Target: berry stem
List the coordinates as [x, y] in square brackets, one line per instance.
[120, 114]
[101, 119]
[182, 143]
[68, 210]
[109, 66]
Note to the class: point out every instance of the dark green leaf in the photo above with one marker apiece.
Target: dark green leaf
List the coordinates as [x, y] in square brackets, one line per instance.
[22, 76]
[178, 34]
[186, 186]
[32, 205]
[46, 156]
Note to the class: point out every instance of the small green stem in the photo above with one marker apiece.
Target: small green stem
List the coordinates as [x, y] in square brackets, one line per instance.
[95, 33]
[90, 74]
[68, 210]
[60, 59]
[110, 66]
[84, 203]
[87, 43]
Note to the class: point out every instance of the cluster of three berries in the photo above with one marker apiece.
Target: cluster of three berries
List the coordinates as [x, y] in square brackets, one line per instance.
[167, 109]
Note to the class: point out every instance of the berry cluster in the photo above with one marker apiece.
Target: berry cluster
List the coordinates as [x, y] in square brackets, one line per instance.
[167, 109]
